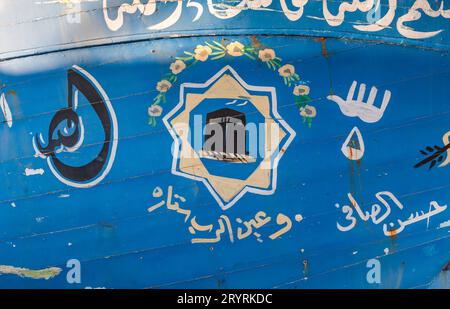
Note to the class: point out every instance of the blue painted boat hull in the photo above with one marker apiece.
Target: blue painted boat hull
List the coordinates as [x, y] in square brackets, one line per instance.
[98, 189]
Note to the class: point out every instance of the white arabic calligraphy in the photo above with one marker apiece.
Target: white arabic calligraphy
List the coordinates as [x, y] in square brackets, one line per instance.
[414, 15]
[224, 11]
[374, 214]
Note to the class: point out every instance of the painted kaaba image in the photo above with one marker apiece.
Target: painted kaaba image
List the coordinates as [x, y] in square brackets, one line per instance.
[225, 137]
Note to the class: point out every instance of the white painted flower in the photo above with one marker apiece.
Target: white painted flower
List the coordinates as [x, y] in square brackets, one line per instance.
[266, 54]
[163, 85]
[308, 111]
[301, 90]
[235, 49]
[155, 110]
[177, 67]
[286, 70]
[202, 52]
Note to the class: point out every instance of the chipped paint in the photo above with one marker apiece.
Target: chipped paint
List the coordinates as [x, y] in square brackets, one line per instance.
[39, 219]
[33, 172]
[46, 273]
[444, 224]
[6, 110]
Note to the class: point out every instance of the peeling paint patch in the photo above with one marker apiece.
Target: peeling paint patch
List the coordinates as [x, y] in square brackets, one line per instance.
[46, 273]
[386, 251]
[39, 219]
[315, 17]
[33, 172]
[444, 224]
[64, 196]
[6, 110]
[13, 205]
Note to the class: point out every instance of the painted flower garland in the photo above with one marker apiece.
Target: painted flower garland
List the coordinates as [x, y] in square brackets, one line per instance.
[214, 51]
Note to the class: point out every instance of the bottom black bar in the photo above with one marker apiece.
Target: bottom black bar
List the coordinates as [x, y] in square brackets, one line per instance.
[208, 298]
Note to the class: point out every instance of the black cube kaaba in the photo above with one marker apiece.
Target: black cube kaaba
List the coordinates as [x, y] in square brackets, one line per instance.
[225, 136]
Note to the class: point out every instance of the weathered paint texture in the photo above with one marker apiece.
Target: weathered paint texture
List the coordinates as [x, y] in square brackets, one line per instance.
[330, 168]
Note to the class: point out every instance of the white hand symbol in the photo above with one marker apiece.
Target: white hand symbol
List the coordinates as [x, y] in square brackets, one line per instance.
[367, 112]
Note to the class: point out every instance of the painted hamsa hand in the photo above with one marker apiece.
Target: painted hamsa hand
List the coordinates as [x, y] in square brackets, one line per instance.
[366, 111]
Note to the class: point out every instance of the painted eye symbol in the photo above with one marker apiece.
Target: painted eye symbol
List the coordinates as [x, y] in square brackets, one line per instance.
[353, 146]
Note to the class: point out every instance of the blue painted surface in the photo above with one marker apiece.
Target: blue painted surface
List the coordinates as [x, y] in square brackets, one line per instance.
[44, 222]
